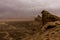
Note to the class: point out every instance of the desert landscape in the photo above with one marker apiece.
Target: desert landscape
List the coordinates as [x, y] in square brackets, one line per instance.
[46, 27]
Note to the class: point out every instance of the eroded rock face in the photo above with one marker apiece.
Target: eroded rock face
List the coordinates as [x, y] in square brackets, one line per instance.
[48, 17]
[51, 34]
[38, 18]
[50, 25]
[50, 31]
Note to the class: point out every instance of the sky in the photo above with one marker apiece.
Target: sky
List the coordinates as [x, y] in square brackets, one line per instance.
[27, 8]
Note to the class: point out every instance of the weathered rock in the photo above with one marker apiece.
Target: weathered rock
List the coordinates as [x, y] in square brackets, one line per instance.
[51, 31]
[48, 17]
[38, 18]
[50, 25]
[51, 34]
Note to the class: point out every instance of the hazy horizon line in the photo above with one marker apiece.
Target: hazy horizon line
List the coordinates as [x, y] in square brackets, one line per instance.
[12, 19]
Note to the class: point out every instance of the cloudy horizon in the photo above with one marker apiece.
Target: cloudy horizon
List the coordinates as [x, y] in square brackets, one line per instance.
[27, 8]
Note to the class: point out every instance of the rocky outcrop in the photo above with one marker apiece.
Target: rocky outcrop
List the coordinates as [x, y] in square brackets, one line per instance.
[50, 25]
[38, 18]
[50, 30]
[51, 34]
[48, 17]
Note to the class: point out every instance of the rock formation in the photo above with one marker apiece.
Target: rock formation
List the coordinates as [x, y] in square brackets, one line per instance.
[38, 18]
[50, 30]
[48, 17]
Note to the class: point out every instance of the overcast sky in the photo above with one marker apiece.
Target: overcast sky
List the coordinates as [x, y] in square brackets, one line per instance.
[27, 8]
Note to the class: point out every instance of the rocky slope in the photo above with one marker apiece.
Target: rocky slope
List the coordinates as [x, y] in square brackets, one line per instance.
[46, 27]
